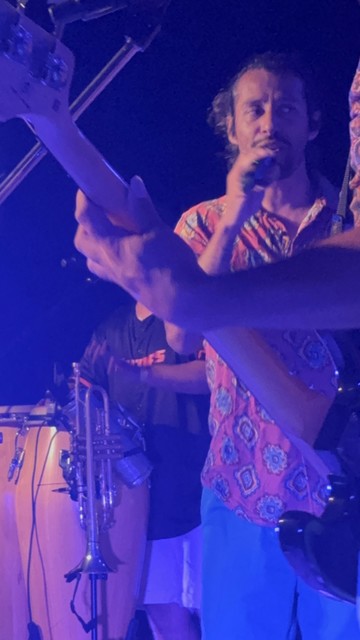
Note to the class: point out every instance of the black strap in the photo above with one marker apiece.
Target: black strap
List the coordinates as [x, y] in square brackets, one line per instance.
[87, 626]
[339, 218]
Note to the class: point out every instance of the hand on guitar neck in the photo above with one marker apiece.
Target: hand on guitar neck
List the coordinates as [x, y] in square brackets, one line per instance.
[98, 227]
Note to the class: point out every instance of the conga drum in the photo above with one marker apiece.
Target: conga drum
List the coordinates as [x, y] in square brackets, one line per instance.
[12, 580]
[52, 544]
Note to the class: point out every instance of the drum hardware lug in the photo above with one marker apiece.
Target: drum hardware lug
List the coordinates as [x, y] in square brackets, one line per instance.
[16, 463]
[17, 460]
[69, 473]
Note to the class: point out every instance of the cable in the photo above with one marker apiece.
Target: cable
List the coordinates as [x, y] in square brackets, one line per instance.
[34, 629]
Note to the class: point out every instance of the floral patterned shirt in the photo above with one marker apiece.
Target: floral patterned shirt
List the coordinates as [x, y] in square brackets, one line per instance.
[251, 465]
[354, 100]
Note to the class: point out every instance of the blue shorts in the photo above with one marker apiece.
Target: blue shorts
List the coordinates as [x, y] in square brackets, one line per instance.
[250, 592]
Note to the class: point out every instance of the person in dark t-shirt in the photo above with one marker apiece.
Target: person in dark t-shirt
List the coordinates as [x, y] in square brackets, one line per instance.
[167, 394]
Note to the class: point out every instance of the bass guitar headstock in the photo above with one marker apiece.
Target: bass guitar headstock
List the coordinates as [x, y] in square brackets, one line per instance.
[36, 69]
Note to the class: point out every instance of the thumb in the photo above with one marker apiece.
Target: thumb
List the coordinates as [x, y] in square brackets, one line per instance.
[141, 208]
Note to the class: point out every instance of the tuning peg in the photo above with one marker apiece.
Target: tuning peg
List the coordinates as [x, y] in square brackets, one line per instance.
[56, 72]
[19, 45]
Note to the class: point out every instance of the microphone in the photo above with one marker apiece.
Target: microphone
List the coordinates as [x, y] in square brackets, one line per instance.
[67, 11]
[258, 174]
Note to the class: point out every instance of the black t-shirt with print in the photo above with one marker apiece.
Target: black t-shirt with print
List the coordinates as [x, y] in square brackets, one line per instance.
[175, 425]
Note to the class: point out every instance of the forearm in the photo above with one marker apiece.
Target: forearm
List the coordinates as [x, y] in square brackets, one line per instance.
[216, 257]
[189, 377]
[298, 410]
[319, 288]
[182, 341]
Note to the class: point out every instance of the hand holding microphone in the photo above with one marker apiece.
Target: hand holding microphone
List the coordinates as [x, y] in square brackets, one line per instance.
[262, 172]
[246, 181]
[254, 170]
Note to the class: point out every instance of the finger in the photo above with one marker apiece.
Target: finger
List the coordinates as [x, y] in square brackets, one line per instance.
[93, 218]
[80, 239]
[83, 206]
[141, 207]
[262, 172]
[245, 163]
[87, 245]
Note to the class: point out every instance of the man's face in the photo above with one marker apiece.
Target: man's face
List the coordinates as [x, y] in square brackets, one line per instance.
[270, 112]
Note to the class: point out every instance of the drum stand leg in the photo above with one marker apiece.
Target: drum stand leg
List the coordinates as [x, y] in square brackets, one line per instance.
[92, 625]
[94, 630]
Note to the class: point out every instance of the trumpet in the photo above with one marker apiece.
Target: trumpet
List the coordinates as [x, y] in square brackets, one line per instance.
[106, 445]
[100, 449]
[93, 562]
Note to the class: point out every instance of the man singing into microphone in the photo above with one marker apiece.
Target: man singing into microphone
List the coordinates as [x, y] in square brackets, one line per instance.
[275, 205]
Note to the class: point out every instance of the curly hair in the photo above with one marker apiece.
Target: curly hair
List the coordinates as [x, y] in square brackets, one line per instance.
[279, 64]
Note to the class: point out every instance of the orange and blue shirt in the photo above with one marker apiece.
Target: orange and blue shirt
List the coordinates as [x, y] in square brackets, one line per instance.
[251, 465]
[354, 100]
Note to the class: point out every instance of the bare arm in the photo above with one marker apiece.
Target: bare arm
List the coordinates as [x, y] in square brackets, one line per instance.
[187, 377]
[318, 288]
[241, 204]
[215, 259]
[215, 254]
[182, 341]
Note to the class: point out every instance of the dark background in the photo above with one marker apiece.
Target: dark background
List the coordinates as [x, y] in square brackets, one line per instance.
[150, 121]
